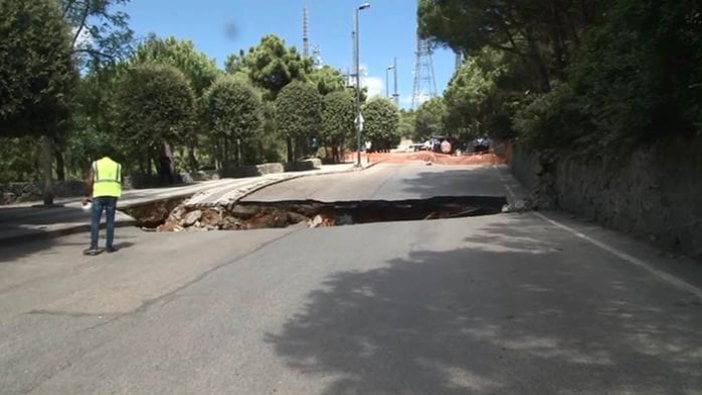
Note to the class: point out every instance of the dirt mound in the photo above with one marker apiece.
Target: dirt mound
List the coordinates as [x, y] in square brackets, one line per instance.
[436, 158]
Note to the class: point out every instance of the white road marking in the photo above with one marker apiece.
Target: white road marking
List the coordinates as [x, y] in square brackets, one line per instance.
[668, 278]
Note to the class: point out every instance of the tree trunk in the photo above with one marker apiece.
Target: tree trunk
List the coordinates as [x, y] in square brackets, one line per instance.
[335, 152]
[60, 166]
[167, 162]
[192, 160]
[237, 143]
[225, 159]
[218, 154]
[535, 55]
[300, 147]
[149, 161]
[46, 159]
[291, 155]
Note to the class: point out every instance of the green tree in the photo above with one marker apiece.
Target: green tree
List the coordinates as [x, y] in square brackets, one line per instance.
[299, 116]
[234, 114]
[236, 63]
[93, 119]
[37, 72]
[633, 83]
[99, 34]
[37, 75]
[200, 69]
[638, 71]
[544, 37]
[407, 120]
[382, 120]
[272, 65]
[327, 79]
[154, 107]
[484, 94]
[429, 119]
[19, 159]
[338, 120]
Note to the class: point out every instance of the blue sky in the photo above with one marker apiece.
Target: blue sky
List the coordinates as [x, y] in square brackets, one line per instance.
[221, 27]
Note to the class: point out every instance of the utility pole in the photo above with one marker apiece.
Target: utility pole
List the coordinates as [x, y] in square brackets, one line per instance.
[387, 81]
[359, 117]
[395, 95]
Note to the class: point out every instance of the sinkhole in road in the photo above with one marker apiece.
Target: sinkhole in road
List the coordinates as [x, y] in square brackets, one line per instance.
[279, 214]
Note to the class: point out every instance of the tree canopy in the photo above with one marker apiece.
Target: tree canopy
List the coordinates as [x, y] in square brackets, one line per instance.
[544, 37]
[429, 119]
[233, 109]
[99, 33]
[37, 72]
[200, 69]
[338, 116]
[382, 120]
[407, 123]
[272, 65]
[299, 112]
[154, 105]
[327, 79]
[587, 75]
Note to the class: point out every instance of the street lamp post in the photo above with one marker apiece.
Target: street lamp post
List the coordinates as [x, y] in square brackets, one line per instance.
[387, 80]
[395, 95]
[359, 123]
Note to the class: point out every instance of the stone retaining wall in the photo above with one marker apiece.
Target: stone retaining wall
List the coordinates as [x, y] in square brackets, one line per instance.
[655, 193]
[252, 170]
[305, 165]
[19, 192]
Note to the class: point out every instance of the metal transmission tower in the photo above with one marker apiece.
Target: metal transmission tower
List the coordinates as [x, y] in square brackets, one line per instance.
[316, 55]
[317, 60]
[424, 81]
[305, 33]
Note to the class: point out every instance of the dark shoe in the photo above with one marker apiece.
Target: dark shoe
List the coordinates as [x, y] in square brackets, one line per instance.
[111, 249]
[92, 251]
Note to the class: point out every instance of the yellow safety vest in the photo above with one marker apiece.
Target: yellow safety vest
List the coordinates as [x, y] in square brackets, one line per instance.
[108, 178]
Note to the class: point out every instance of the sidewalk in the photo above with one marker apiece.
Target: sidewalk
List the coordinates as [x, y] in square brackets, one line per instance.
[26, 222]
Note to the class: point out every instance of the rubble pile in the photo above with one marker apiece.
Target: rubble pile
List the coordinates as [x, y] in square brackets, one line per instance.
[152, 214]
[245, 217]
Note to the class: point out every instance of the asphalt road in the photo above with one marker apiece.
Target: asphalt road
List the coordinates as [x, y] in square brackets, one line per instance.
[510, 303]
[391, 182]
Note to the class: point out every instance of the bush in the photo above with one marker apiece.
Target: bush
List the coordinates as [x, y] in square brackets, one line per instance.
[553, 120]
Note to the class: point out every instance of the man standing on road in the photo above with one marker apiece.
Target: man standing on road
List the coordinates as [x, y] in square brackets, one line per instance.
[105, 186]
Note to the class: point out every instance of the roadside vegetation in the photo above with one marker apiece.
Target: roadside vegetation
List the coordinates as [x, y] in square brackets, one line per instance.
[587, 76]
[83, 81]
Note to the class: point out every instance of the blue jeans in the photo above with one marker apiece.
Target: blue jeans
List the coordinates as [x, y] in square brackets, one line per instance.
[109, 204]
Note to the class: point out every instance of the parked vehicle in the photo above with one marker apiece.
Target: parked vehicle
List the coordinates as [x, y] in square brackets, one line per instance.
[436, 142]
[481, 144]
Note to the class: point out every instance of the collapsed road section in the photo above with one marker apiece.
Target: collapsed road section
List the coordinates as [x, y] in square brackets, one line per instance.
[166, 216]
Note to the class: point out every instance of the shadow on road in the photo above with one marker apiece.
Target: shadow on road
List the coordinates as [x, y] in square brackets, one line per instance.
[18, 225]
[441, 180]
[514, 317]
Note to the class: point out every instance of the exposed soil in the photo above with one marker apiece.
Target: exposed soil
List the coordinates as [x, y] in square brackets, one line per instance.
[256, 215]
[435, 158]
